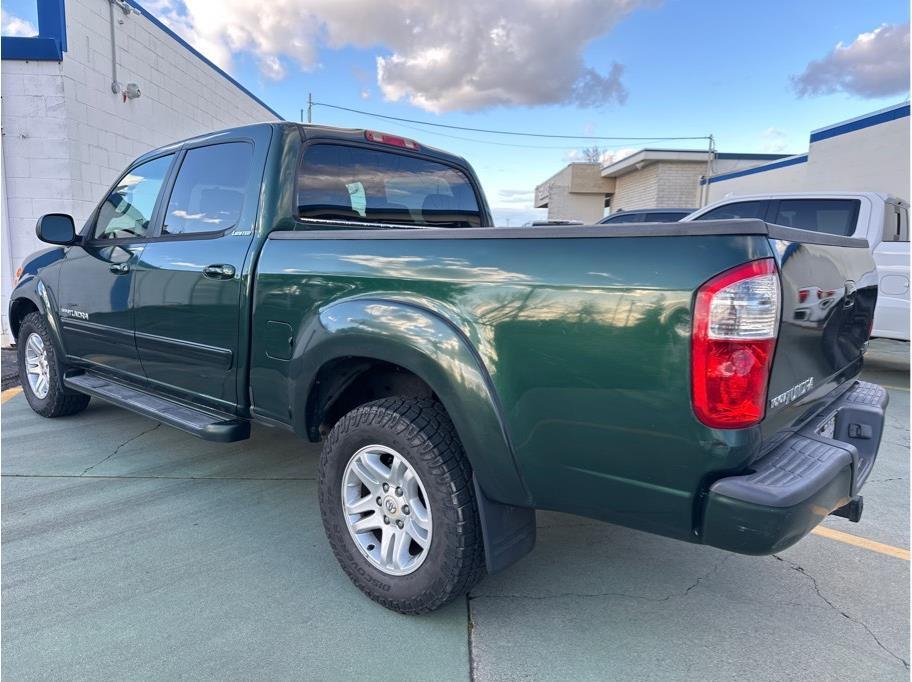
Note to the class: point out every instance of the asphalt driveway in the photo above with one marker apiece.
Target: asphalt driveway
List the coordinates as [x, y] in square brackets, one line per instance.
[131, 550]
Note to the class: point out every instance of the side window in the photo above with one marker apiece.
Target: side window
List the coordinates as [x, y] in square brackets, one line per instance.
[896, 223]
[664, 217]
[833, 216]
[624, 217]
[127, 210]
[740, 209]
[337, 182]
[209, 191]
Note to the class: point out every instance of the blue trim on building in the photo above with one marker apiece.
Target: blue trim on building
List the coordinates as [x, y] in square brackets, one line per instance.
[802, 158]
[51, 41]
[874, 119]
[198, 55]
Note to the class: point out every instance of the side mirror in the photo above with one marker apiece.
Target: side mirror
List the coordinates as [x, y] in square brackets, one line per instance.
[56, 228]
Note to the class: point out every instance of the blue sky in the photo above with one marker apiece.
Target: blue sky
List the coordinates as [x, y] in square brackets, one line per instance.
[689, 68]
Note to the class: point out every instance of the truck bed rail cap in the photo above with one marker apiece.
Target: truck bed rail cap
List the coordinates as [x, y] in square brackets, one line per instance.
[322, 229]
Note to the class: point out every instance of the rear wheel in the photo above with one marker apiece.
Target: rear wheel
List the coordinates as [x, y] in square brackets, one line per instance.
[398, 505]
[41, 373]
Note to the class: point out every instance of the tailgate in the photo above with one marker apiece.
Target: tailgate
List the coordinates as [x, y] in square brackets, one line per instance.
[829, 289]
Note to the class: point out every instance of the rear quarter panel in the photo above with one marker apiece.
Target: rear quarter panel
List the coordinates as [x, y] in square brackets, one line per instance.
[585, 341]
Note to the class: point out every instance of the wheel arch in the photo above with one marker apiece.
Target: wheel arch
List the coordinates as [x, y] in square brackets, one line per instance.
[31, 295]
[349, 340]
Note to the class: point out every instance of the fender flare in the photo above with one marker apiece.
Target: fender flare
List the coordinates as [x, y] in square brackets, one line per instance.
[433, 348]
[36, 292]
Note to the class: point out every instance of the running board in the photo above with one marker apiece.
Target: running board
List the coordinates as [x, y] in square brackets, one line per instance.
[205, 425]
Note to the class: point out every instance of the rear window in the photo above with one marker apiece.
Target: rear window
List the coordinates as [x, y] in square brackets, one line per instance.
[337, 182]
[833, 216]
[739, 209]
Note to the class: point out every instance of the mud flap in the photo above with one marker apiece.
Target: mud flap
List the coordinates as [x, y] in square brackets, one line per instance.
[508, 531]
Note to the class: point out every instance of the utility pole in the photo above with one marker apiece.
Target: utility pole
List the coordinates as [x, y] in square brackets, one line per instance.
[710, 157]
[310, 104]
[302, 116]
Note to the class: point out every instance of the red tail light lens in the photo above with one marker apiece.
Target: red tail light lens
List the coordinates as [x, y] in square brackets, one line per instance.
[736, 319]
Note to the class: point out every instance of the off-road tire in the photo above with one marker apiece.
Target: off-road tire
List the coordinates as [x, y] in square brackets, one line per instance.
[60, 401]
[421, 432]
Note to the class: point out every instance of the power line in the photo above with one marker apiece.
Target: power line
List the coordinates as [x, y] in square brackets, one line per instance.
[475, 140]
[504, 132]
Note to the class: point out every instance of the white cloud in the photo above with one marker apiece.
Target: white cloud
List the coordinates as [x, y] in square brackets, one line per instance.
[11, 25]
[523, 197]
[875, 64]
[437, 54]
[773, 141]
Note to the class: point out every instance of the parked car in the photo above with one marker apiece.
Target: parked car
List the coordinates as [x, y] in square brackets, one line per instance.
[347, 285]
[647, 215]
[881, 219]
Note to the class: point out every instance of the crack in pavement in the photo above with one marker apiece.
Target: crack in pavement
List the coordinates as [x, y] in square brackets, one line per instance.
[638, 597]
[117, 449]
[470, 627]
[801, 570]
[886, 480]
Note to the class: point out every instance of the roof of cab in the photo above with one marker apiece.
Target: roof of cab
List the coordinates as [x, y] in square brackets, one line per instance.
[310, 132]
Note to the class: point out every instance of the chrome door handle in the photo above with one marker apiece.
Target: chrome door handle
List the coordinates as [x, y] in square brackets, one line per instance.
[219, 271]
[119, 268]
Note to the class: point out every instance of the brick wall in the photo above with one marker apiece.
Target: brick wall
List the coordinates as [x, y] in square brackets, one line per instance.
[637, 189]
[67, 136]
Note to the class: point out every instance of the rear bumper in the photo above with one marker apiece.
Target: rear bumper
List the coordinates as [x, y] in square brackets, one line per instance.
[793, 488]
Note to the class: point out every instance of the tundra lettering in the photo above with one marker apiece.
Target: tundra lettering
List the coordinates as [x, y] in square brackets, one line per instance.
[793, 393]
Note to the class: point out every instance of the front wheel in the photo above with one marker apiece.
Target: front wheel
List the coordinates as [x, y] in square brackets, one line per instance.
[398, 505]
[41, 373]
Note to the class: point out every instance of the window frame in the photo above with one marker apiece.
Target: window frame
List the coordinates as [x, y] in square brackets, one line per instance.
[88, 230]
[168, 188]
[321, 223]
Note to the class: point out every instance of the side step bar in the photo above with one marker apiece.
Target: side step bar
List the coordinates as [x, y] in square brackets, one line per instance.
[205, 425]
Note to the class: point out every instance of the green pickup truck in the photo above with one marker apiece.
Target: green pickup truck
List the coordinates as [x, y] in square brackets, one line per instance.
[348, 286]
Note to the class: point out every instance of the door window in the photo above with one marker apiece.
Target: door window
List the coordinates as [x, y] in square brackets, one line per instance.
[833, 216]
[739, 209]
[209, 191]
[337, 182]
[127, 210]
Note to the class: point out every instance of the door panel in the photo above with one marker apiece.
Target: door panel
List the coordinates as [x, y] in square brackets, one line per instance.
[187, 323]
[95, 314]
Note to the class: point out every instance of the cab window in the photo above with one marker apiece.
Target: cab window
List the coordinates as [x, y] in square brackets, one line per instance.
[127, 210]
[209, 190]
[739, 209]
[337, 182]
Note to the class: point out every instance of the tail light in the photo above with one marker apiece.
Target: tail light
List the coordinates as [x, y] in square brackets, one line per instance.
[394, 140]
[736, 318]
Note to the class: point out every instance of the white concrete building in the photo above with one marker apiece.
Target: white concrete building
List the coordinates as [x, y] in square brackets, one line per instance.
[649, 178]
[869, 153]
[71, 123]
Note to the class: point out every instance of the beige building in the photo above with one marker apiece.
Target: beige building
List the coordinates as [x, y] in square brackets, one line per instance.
[649, 178]
[869, 153]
